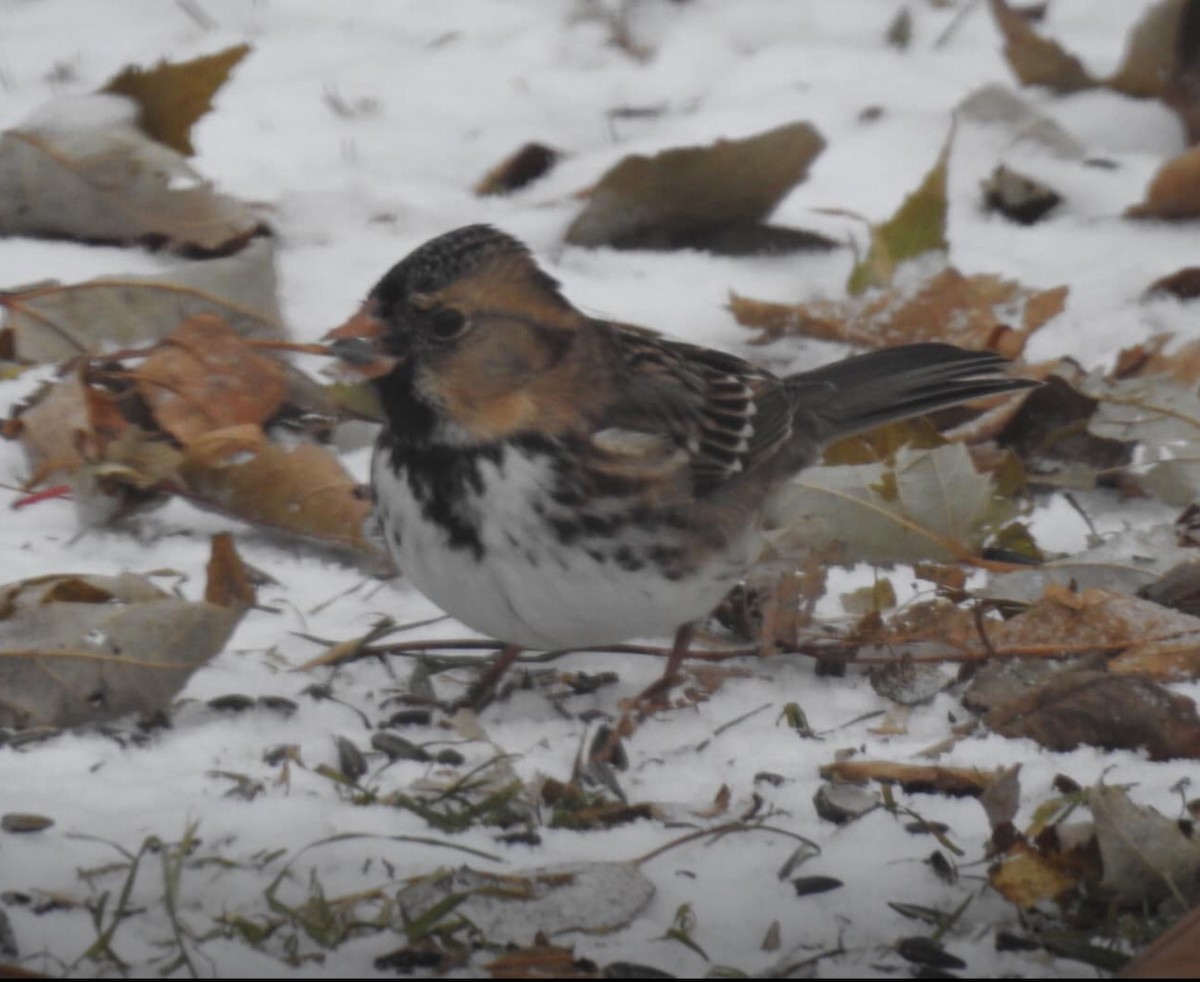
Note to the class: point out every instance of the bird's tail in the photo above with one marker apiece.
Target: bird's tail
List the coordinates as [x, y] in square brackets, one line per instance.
[879, 387]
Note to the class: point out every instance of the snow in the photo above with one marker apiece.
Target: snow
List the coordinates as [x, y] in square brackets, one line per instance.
[362, 128]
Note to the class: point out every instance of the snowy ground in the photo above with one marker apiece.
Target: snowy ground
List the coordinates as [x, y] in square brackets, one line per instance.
[437, 94]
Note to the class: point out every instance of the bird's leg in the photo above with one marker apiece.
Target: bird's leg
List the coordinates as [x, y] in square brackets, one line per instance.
[661, 686]
[482, 691]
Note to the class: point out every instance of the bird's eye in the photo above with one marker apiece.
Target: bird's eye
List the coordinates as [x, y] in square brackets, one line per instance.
[446, 323]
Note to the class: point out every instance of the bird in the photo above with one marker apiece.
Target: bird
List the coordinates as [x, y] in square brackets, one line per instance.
[555, 480]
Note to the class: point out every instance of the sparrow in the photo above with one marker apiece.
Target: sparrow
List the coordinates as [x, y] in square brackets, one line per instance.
[553, 480]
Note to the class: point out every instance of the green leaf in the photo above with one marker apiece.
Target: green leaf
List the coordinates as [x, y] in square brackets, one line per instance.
[917, 227]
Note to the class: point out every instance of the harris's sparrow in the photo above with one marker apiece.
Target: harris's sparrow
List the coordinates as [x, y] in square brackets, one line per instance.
[553, 480]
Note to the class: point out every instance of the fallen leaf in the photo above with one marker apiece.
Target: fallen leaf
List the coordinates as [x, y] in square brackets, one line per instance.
[1036, 60]
[542, 961]
[917, 227]
[1174, 954]
[92, 175]
[227, 580]
[594, 897]
[79, 650]
[1136, 636]
[1146, 857]
[173, 96]
[1164, 418]
[970, 311]
[1049, 432]
[302, 489]
[523, 167]
[1151, 51]
[1100, 709]
[53, 321]
[1174, 191]
[957, 782]
[692, 197]
[1183, 284]
[51, 423]
[1027, 878]
[926, 505]
[204, 377]
[998, 105]
[1002, 797]
[1160, 61]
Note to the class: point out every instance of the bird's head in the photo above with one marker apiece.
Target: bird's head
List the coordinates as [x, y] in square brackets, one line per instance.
[470, 327]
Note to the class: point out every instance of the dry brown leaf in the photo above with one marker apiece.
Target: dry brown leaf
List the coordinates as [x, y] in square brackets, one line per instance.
[542, 961]
[1099, 709]
[1138, 636]
[1174, 192]
[690, 196]
[83, 649]
[957, 782]
[1174, 954]
[1036, 60]
[228, 581]
[203, 377]
[1183, 284]
[1161, 61]
[51, 424]
[302, 489]
[963, 310]
[1151, 51]
[173, 96]
[104, 180]
[1027, 878]
[52, 321]
[1049, 433]
[523, 167]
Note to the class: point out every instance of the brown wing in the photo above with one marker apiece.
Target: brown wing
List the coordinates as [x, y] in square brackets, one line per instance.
[715, 414]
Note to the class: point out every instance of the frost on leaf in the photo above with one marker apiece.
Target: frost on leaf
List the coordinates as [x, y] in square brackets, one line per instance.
[88, 172]
[83, 649]
[53, 321]
[714, 197]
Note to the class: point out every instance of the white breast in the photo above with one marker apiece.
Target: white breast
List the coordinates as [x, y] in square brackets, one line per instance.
[529, 587]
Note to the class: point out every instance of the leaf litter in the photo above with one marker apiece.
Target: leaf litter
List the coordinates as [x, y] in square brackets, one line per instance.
[197, 411]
